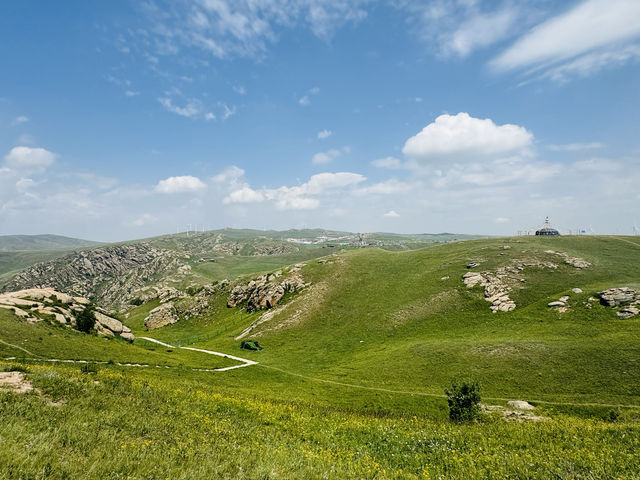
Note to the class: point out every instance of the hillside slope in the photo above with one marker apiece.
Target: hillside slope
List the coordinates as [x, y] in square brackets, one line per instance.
[406, 321]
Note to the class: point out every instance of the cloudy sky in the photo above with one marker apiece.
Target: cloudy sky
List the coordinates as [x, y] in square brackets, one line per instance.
[126, 119]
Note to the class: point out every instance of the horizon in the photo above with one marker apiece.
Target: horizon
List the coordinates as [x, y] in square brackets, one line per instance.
[129, 120]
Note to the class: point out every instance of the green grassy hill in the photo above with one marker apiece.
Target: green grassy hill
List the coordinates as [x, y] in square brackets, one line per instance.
[351, 380]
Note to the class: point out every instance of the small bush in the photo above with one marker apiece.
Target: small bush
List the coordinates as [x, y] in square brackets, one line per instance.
[89, 368]
[86, 319]
[16, 368]
[463, 398]
[136, 301]
[612, 416]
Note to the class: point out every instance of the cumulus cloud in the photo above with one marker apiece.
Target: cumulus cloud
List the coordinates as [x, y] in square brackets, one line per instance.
[322, 134]
[391, 213]
[182, 184]
[464, 138]
[131, 93]
[298, 197]
[502, 220]
[588, 37]
[28, 159]
[244, 195]
[304, 101]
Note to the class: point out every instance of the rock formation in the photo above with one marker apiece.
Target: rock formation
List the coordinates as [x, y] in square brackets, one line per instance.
[165, 314]
[625, 297]
[266, 291]
[38, 304]
[110, 275]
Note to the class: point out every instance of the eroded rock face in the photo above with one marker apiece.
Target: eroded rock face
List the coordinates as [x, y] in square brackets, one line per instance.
[35, 303]
[165, 314]
[266, 291]
[107, 274]
[576, 262]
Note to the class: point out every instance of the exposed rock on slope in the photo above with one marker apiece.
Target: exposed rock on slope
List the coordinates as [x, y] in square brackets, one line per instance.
[165, 314]
[107, 275]
[621, 297]
[266, 291]
[176, 305]
[38, 304]
[497, 284]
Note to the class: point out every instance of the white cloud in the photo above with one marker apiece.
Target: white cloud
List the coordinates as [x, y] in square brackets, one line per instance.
[29, 159]
[322, 158]
[209, 116]
[387, 162]
[479, 31]
[582, 40]
[226, 111]
[314, 91]
[304, 101]
[299, 197]
[464, 138]
[193, 108]
[239, 89]
[388, 187]
[391, 213]
[502, 220]
[458, 28]
[20, 120]
[575, 147]
[240, 28]
[182, 184]
[131, 93]
[244, 195]
[322, 134]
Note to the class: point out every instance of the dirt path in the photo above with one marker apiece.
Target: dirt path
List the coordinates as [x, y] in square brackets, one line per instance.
[244, 361]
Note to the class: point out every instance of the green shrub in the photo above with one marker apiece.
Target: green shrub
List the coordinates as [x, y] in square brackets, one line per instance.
[89, 368]
[463, 398]
[86, 319]
[136, 301]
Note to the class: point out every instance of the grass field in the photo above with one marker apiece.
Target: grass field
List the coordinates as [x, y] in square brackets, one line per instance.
[351, 381]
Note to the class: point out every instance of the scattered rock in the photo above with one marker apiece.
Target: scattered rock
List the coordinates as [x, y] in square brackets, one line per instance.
[473, 264]
[520, 405]
[446, 277]
[556, 304]
[564, 298]
[576, 290]
[576, 262]
[15, 382]
[165, 314]
[628, 312]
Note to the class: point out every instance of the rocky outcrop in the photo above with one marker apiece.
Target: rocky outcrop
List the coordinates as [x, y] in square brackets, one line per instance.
[497, 284]
[576, 262]
[495, 290]
[266, 291]
[625, 297]
[109, 275]
[38, 304]
[165, 314]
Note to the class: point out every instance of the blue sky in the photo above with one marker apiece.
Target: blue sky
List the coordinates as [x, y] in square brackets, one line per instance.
[126, 119]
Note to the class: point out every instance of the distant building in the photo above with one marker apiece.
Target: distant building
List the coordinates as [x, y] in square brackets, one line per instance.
[547, 229]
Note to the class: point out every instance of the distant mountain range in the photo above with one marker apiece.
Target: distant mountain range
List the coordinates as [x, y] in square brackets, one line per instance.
[14, 243]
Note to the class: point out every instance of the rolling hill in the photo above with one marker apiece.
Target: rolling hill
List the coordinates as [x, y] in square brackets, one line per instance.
[351, 380]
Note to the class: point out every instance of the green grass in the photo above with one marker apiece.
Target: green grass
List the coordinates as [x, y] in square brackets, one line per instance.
[356, 363]
[138, 425]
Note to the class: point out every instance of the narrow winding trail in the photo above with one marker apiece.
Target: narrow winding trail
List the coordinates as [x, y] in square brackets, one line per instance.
[244, 361]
